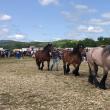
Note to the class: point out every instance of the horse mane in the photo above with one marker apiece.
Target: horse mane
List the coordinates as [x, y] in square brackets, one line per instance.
[106, 50]
[76, 48]
[46, 48]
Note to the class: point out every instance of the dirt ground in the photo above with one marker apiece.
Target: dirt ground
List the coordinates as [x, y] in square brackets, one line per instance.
[24, 87]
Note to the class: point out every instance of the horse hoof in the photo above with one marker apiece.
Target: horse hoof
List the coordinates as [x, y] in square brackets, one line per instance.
[96, 85]
[66, 73]
[77, 74]
[102, 87]
[90, 82]
[41, 69]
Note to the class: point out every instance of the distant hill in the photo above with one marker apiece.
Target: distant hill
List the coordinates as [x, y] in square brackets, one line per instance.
[6, 41]
[10, 44]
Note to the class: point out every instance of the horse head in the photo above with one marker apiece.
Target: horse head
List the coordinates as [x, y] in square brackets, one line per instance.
[79, 48]
[48, 47]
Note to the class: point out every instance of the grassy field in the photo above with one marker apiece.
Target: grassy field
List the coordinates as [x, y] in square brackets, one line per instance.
[24, 87]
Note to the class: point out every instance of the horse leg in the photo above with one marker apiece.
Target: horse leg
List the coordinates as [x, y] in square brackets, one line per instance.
[68, 68]
[93, 75]
[90, 79]
[76, 71]
[102, 82]
[96, 69]
[48, 64]
[38, 64]
[64, 67]
[42, 66]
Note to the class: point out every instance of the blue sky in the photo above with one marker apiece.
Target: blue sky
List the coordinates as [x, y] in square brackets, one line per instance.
[48, 20]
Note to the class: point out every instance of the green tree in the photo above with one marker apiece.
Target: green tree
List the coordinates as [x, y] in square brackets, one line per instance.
[88, 42]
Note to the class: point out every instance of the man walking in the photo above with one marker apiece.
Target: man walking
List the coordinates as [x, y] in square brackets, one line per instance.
[55, 59]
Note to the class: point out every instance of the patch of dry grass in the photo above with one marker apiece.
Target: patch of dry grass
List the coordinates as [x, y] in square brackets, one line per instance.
[24, 87]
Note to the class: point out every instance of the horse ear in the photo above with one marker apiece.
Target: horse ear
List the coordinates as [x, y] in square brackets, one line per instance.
[49, 44]
[83, 46]
[80, 46]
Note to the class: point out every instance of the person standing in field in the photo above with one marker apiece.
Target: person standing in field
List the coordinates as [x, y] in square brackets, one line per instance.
[55, 59]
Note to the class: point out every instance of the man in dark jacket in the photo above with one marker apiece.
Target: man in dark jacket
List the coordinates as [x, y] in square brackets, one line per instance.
[55, 58]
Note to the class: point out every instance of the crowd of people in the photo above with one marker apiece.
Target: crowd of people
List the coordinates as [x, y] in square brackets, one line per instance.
[16, 54]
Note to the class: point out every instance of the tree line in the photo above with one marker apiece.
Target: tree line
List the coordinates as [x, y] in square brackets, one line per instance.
[88, 42]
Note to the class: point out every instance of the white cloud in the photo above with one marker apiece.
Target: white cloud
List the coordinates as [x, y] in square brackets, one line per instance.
[103, 20]
[47, 2]
[90, 29]
[3, 31]
[99, 21]
[84, 8]
[17, 37]
[74, 34]
[79, 11]
[5, 17]
[106, 15]
[95, 29]
[81, 7]
[82, 28]
[67, 15]
[70, 16]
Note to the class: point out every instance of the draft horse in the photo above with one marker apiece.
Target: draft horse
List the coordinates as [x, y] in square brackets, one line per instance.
[43, 55]
[73, 57]
[98, 56]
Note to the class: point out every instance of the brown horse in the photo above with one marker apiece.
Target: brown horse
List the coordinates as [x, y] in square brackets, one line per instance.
[98, 57]
[43, 55]
[72, 57]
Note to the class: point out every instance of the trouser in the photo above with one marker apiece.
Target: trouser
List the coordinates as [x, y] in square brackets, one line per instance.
[55, 62]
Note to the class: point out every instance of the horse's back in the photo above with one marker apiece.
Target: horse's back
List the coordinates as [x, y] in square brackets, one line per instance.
[70, 58]
[42, 56]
